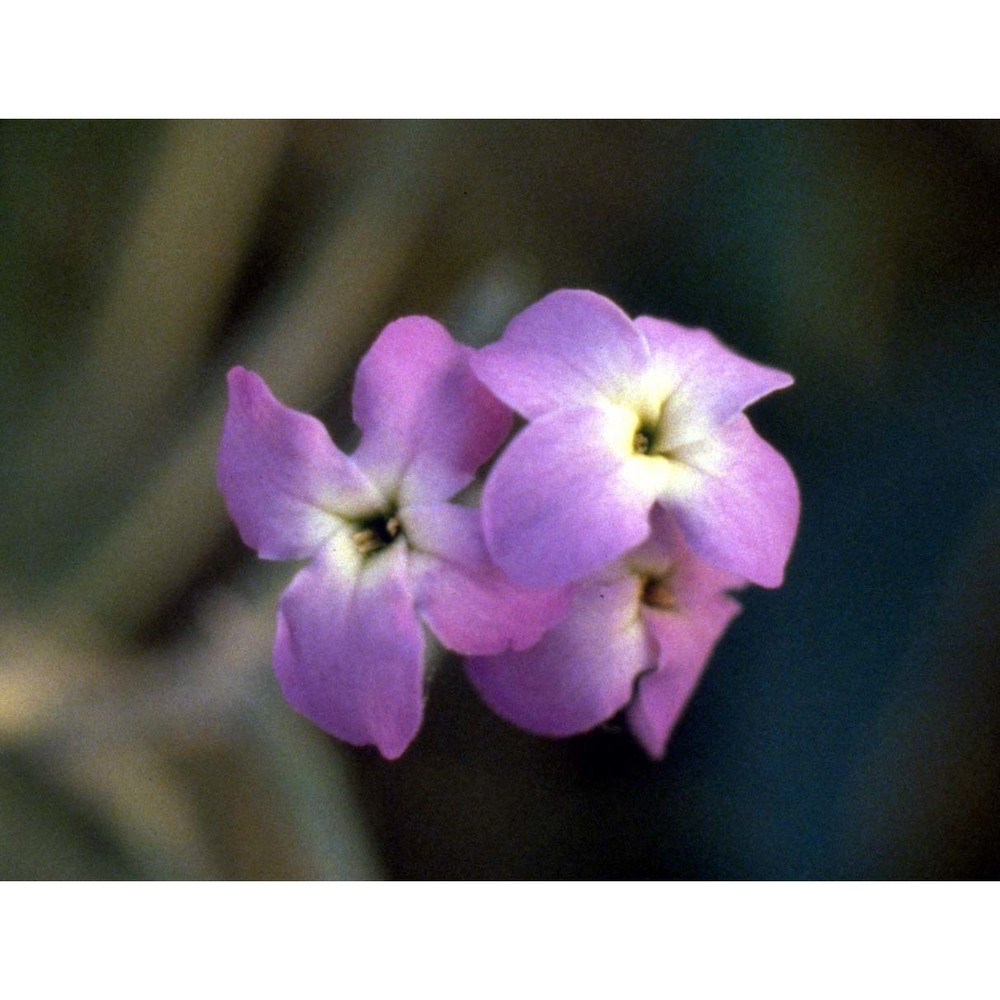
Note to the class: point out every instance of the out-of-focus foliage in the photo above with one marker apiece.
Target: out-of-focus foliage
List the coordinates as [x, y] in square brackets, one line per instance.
[849, 725]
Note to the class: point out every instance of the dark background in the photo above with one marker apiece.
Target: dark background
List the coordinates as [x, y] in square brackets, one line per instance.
[847, 726]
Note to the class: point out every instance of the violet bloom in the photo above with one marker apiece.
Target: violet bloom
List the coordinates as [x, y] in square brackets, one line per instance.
[637, 636]
[624, 416]
[385, 550]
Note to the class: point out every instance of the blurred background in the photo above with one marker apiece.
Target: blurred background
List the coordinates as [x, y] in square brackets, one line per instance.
[848, 725]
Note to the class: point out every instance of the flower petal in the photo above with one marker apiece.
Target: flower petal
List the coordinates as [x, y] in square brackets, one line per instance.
[282, 478]
[684, 633]
[568, 496]
[349, 650]
[692, 580]
[737, 503]
[467, 601]
[582, 671]
[685, 639]
[706, 382]
[573, 348]
[424, 416]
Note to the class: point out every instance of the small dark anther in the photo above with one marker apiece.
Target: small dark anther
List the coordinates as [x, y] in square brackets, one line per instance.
[657, 593]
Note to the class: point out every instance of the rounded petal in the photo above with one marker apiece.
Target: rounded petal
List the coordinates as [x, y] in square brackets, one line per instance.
[426, 421]
[467, 601]
[568, 496]
[572, 348]
[581, 673]
[738, 503]
[283, 480]
[692, 580]
[349, 650]
[706, 382]
[685, 639]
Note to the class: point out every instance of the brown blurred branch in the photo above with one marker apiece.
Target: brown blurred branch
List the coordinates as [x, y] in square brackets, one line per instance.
[301, 349]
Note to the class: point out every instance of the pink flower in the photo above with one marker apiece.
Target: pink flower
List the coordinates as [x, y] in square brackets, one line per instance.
[625, 417]
[386, 551]
[637, 636]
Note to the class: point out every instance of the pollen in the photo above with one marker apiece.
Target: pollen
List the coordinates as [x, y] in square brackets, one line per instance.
[640, 442]
[376, 534]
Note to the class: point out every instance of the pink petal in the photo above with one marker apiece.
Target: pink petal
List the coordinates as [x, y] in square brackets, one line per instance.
[567, 496]
[685, 639]
[282, 478]
[684, 634]
[707, 383]
[425, 418]
[692, 580]
[469, 604]
[349, 649]
[582, 671]
[738, 506]
[573, 348]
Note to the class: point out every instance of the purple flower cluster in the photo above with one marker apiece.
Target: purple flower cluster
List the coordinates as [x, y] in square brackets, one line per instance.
[596, 574]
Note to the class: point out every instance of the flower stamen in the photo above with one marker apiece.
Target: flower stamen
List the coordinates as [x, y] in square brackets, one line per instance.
[640, 442]
[647, 433]
[657, 592]
[376, 534]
